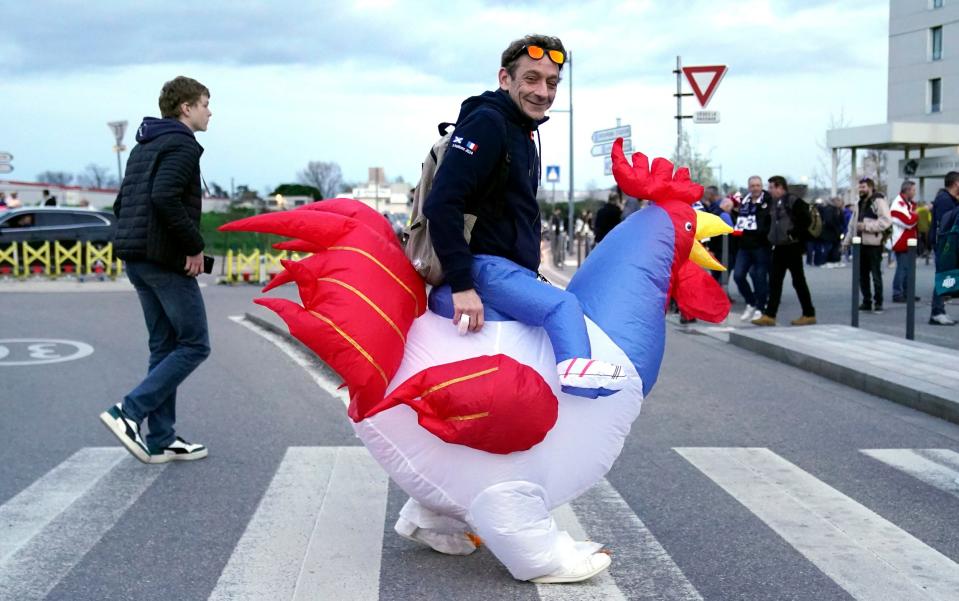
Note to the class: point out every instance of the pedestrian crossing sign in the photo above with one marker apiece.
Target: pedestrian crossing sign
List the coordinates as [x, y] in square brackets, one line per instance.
[552, 173]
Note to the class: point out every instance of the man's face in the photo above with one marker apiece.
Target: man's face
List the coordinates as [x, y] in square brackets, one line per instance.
[776, 192]
[864, 190]
[755, 188]
[197, 115]
[534, 87]
[910, 193]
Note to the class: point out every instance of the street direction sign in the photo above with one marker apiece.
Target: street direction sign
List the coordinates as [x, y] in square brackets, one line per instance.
[609, 135]
[5, 157]
[6, 168]
[604, 149]
[608, 166]
[552, 173]
[704, 81]
[706, 117]
[118, 128]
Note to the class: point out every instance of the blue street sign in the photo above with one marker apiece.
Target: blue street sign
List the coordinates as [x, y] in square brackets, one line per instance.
[552, 173]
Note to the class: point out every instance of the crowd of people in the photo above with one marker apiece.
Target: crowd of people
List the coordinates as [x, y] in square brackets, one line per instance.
[776, 232]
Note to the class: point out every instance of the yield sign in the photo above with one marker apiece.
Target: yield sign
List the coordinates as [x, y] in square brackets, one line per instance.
[704, 81]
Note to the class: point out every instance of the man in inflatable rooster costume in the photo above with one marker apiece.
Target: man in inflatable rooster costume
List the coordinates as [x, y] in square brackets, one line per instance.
[476, 429]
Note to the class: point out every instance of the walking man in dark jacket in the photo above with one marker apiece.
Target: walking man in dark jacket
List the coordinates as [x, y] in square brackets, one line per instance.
[158, 236]
[755, 252]
[946, 200]
[788, 223]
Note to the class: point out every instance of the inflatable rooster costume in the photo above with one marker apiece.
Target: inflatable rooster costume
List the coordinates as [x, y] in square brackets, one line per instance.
[476, 428]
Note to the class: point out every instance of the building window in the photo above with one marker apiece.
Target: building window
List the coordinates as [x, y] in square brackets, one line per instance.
[935, 42]
[937, 3]
[935, 95]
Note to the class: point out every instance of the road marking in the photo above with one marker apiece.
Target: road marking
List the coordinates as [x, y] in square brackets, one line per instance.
[868, 556]
[301, 358]
[317, 533]
[41, 351]
[599, 587]
[641, 566]
[54, 522]
[936, 467]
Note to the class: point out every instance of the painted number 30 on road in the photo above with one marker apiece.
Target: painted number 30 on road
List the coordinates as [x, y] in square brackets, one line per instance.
[40, 351]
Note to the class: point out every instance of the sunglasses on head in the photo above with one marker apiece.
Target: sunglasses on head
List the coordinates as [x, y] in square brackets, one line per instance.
[538, 52]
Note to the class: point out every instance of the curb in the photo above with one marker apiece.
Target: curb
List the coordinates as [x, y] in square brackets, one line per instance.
[285, 335]
[937, 401]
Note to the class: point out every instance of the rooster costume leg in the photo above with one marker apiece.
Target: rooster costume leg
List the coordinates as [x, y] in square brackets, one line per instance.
[476, 429]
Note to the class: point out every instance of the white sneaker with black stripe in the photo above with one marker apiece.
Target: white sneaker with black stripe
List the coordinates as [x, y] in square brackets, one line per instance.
[179, 450]
[127, 430]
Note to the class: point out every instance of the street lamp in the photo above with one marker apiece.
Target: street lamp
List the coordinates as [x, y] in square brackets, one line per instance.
[118, 128]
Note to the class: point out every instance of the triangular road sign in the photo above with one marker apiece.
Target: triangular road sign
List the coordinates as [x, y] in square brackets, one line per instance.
[704, 81]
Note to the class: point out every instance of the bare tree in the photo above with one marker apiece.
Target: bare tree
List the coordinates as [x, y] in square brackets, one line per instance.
[876, 165]
[57, 178]
[700, 171]
[324, 176]
[96, 176]
[822, 176]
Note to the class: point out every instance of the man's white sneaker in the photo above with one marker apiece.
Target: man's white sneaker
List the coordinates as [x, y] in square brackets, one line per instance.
[179, 450]
[748, 313]
[591, 374]
[450, 544]
[757, 313]
[941, 320]
[584, 570]
[126, 430]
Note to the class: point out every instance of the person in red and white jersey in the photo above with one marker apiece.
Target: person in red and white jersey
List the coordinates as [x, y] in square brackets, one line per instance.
[904, 220]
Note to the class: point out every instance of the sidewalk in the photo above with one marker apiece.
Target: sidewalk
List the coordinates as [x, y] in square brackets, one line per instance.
[919, 375]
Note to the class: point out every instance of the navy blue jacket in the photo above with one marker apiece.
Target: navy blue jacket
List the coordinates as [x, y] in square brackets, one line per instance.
[487, 125]
[943, 203]
[159, 205]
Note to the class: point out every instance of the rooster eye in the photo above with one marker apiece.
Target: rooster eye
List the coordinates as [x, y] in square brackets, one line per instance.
[689, 226]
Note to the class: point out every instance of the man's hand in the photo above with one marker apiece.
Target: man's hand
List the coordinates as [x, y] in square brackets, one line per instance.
[468, 303]
[194, 265]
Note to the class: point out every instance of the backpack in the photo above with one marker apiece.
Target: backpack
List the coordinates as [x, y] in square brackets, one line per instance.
[780, 221]
[947, 255]
[419, 246]
[815, 222]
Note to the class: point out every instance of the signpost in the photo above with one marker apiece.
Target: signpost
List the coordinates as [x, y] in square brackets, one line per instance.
[704, 80]
[604, 139]
[6, 168]
[552, 176]
[5, 159]
[706, 117]
[118, 128]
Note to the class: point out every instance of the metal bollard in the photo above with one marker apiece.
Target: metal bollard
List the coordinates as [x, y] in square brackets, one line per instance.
[911, 289]
[856, 243]
[579, 252]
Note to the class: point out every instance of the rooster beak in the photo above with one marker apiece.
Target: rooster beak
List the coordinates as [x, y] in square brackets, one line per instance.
[707, 226]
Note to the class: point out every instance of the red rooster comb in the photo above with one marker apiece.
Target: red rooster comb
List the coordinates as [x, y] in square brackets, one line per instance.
[657, 184]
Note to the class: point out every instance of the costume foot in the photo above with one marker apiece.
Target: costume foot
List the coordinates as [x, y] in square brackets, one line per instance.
[450, 544]
[583, 570]
[590, 377]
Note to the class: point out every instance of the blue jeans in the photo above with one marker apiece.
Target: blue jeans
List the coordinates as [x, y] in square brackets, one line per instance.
[899, 279]
[179, 342]
[753, 262]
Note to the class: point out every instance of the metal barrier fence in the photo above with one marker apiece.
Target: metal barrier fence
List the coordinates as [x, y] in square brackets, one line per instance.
[55, 259]
[255, 267]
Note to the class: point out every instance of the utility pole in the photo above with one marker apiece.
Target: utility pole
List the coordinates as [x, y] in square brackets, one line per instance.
[118, 128]
[679, 106]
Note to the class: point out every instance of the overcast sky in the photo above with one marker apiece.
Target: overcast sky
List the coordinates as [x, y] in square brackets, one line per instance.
[364, 83]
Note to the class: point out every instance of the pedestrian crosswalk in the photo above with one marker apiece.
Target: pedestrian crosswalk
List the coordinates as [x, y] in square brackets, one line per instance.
[318, 528]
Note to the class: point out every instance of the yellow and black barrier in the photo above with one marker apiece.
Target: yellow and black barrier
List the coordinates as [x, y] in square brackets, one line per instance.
[255, 267]
[23, 259]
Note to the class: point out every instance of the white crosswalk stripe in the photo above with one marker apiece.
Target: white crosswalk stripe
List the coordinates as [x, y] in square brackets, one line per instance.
[936, 467]
[52, 524]
[317, 533]
[868, 556]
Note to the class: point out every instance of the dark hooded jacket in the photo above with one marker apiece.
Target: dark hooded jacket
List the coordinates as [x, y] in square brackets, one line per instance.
[159, 204]
[488, 126]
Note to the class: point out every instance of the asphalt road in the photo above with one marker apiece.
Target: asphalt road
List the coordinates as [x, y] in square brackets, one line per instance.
[810, 517]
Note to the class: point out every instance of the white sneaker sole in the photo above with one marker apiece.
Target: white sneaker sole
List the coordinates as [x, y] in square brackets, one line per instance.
[599, 562]
[187, 457]
[119, 430]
